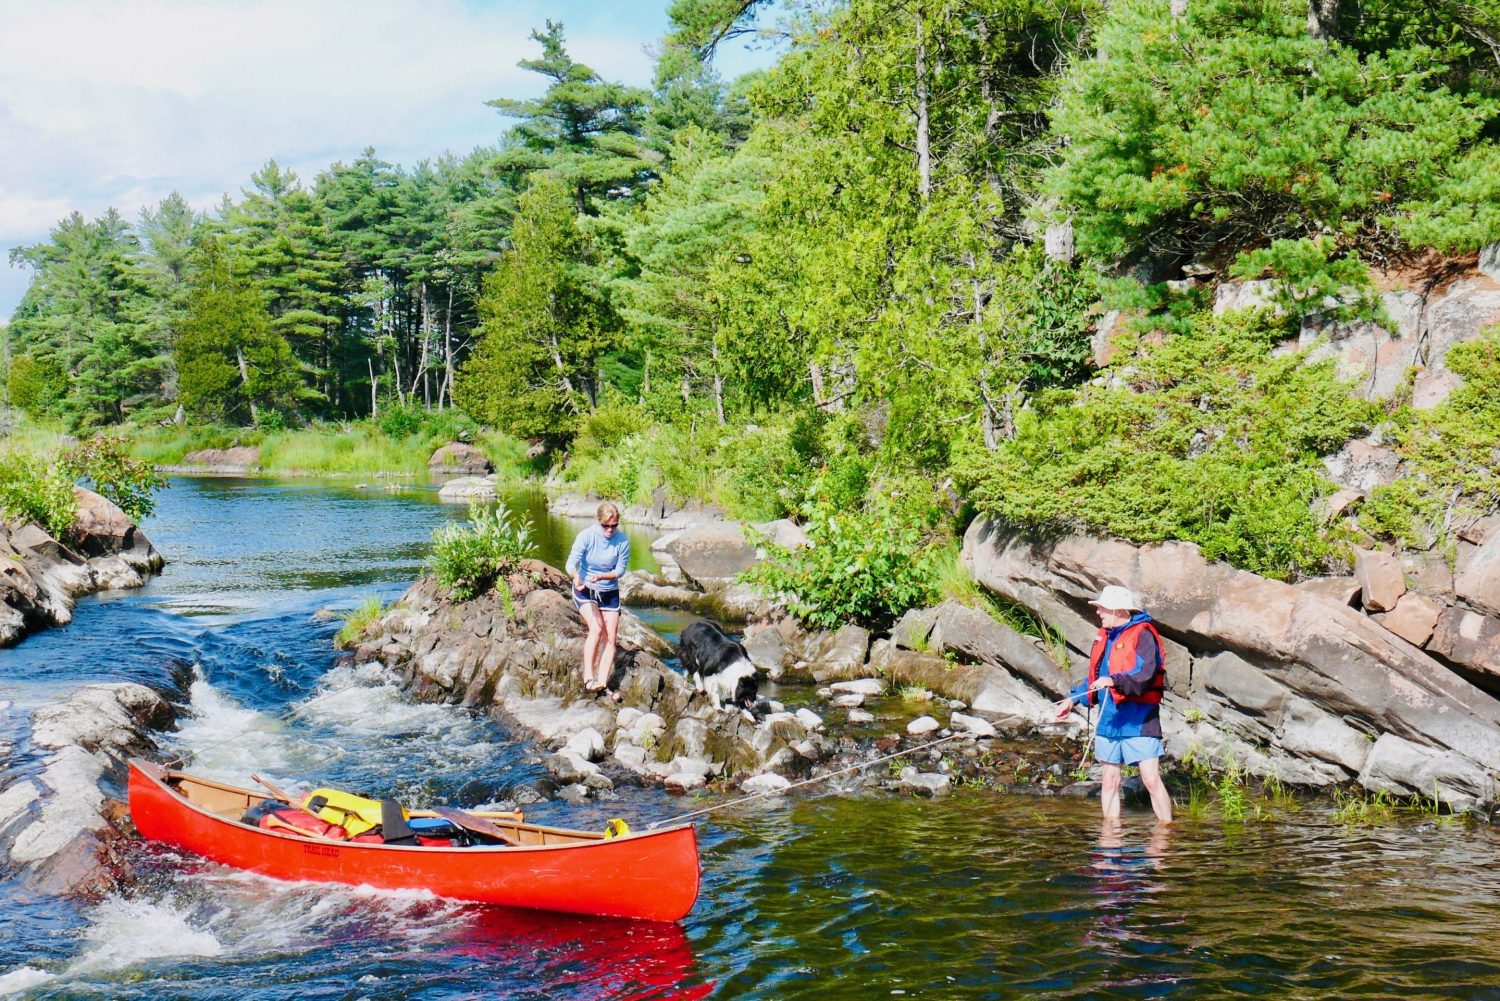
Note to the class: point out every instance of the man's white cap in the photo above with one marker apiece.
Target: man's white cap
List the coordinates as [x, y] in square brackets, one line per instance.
[1116, 599]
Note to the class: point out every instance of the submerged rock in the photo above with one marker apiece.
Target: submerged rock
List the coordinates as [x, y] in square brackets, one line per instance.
[930, 784]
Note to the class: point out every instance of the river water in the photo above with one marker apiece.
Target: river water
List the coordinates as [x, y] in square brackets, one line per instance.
[826, 896]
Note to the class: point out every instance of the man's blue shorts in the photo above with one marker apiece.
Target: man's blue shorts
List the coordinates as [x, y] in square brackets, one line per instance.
[1128, 751]
[608, 601]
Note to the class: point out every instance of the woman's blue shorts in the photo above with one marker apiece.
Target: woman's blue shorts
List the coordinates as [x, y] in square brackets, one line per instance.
[608, 601]
[1127, 751]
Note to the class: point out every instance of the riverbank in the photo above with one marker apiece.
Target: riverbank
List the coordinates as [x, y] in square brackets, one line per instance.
[951, 671]
[998, 888]
[43, 577]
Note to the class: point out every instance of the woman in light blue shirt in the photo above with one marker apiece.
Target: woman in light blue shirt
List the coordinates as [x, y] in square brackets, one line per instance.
[597, 561]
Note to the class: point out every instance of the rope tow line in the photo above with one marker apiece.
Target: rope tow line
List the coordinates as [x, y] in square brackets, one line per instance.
[805, 782]
[831, 775]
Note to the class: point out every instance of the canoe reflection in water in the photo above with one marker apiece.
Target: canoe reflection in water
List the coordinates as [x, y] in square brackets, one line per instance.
[581, 957]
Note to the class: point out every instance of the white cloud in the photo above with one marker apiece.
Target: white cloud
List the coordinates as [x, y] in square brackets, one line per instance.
[120, 102]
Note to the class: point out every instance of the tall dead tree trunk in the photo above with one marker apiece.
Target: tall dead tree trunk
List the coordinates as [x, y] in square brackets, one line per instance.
[924, 126]
[718, 385]
[239, 355]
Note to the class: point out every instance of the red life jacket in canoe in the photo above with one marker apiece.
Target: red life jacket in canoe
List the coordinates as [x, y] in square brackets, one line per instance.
[1122, 656]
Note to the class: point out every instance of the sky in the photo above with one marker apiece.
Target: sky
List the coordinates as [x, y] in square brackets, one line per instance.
[121, 102]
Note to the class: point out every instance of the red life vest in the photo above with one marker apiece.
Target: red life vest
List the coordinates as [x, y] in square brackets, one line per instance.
[1124, 653]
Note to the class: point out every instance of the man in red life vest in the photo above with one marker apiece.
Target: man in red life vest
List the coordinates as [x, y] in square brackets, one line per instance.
[1126, 660]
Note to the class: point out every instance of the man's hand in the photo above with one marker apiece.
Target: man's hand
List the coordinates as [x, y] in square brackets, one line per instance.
[1104, 682]
[1063, 709]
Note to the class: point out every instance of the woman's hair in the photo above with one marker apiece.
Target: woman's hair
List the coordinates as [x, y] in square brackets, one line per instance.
[606, 509]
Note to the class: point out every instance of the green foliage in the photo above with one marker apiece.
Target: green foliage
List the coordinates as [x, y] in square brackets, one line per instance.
[864, 565]
[1308, 280]
[468, 559]
[106, 462]
[231, 363]
[36, 385]
[545, 328]
[357, 622]
[1360, 809]
[1233, 123]
[31, 489]
[1449, 451]
[583, 130]
[1223, 451]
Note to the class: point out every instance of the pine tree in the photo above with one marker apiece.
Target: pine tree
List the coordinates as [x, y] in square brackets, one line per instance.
[586, 131]
[545, 324]
[232, 364]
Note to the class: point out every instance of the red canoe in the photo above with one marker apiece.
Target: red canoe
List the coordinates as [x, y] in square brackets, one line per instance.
[652, 875]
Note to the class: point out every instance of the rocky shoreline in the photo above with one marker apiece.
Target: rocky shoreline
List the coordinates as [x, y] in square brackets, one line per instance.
[1312, 685]
[64, 824]
[42, 578]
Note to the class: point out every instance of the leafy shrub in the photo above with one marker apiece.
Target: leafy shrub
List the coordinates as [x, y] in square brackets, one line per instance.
[609, 426]
[467, 559]
[36, 385]
[1450, 450]
[1224, 450]
[1307, 279]
[865, 565]
[107, 463]
[33, 490]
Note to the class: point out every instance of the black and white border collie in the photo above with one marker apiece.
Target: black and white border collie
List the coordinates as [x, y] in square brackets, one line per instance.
[718, 665]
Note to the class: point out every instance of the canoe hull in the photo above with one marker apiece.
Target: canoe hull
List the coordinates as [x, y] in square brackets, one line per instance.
[651, 876]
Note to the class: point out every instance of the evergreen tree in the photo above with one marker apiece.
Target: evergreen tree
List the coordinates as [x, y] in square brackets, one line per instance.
[584, 130]
[232, 364]
[545, 324]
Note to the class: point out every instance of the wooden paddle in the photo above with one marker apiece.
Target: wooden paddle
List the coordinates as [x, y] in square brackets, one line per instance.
[515, 815]
[273, 824]
[285, 798]
[293, 803]
[476, 824]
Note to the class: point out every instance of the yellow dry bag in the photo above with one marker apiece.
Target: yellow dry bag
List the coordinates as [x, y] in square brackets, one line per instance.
[355, 814]
[616, 828]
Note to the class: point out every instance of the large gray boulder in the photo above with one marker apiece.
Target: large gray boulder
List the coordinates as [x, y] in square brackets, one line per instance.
[459, 457]
[1288, 647]
[234, 461]
[1478, 579]
[467, 489]
[41, 579]
[1467, 309]
[708, 555]
[53, 826]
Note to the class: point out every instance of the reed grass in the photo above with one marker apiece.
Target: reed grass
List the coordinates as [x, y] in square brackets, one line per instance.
[357, 622]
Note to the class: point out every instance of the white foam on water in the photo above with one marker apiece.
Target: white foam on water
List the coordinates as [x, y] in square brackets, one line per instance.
[366, 701]
[228, 740]
[124, 933]
[23, 978]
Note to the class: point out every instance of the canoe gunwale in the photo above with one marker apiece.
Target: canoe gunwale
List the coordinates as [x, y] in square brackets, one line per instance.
[162, 778]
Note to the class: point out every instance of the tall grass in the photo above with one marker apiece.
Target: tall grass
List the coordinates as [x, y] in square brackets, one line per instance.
[956, 582]
[344, 448]
[357, 622]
